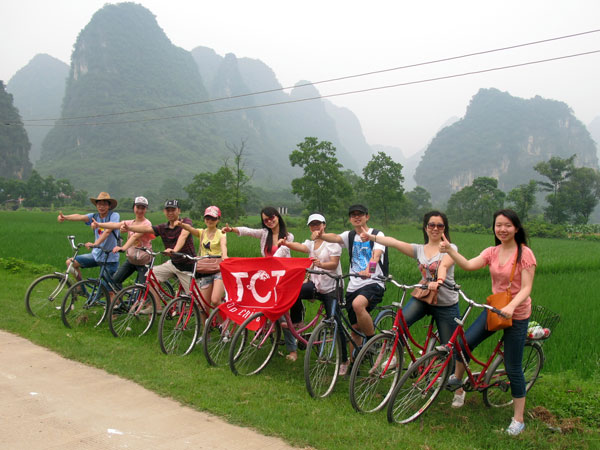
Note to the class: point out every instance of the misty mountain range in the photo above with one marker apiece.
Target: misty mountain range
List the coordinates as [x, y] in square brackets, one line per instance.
[123, 61]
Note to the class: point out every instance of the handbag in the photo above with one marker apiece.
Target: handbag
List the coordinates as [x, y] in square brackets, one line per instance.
[138, 257]
[495, 321]
[425, 295]
[208, 266]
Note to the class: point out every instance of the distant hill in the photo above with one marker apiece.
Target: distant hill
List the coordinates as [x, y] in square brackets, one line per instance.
[594, 129]
[123, 61]
[38, 90]
[502, 137]
[14, 145]
[276, 130]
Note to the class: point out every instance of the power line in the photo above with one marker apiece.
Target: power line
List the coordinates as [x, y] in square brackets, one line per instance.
[389, 86]
[376, 72]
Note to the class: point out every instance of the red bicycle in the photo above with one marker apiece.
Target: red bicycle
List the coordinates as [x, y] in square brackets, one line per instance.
[424, 380]
[382, 360]
[133, 310]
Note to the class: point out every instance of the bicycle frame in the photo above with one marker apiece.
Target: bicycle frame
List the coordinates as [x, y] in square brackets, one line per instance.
[475, 380]
[152, 282]
[401, 330]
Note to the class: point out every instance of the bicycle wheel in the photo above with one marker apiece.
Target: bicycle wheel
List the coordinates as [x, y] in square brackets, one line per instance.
[375, 372]
[130, 314]
[251, 350]
[322, 360]
[419, 387]
[216, 338]
[384, 320]
[498, 394]
[85, 304]
[179, 327]
[41, 295]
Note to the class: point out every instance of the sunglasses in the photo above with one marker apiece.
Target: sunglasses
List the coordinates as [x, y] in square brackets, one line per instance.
[210, 218]
[439, 226]
[357, 214]
[269, 219]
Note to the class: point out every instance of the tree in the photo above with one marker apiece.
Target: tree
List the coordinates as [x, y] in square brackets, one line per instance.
[212, 189]
[558, 171]
[476, 203]
[418, 202]
[523, 199]
[580, 194]
[323, 187]
[240, 179]
[383, 179]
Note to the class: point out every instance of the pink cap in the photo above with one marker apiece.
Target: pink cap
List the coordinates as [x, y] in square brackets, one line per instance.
[212, 211]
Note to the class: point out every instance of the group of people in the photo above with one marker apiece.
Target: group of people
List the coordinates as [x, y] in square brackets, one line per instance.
[366, 246]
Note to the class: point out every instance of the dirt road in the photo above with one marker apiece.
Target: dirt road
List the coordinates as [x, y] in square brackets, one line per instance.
[49, 402]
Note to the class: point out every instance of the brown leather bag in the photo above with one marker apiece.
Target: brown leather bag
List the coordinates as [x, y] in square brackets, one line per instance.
[495, 321]
[425, 295]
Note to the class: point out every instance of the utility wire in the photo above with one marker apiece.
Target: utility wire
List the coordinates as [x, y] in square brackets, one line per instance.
[409, 66]
[389, 86]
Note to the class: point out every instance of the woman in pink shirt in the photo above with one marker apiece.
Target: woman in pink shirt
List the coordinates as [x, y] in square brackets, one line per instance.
[511, 245]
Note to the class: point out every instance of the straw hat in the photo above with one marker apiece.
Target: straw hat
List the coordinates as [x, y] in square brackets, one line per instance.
[104, 196]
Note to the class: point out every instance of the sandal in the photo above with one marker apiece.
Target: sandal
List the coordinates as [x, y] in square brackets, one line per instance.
[292, 356]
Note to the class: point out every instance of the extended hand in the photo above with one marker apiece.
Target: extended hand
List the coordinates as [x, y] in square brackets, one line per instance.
[364, 235]
[61, 217]
[444, 245]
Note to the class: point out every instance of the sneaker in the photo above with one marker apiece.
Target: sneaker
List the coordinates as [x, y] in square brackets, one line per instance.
[515, 427]
[459, 400]
[344, 368]
[453, 383]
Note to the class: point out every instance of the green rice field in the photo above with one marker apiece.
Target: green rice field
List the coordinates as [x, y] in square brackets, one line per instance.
[275, 402]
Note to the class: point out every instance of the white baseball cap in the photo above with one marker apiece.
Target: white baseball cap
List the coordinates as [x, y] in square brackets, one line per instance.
[314, 217]
[143, 201]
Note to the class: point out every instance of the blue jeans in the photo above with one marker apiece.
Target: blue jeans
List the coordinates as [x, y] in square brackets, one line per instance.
[444, 316]
[514, 343]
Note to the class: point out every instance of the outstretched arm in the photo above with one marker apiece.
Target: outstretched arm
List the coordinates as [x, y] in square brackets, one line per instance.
[296, 246]
[388, 241]
[327, 237]
[466, 264]
[72, 217]
[190, 229]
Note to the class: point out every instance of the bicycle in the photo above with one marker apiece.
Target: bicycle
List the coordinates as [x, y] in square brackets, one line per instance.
[180, 323]
[133, 310]
[423, 381]
[43, 291]
[86, 302]
[380, 362]
[324, 349]
[251, 350]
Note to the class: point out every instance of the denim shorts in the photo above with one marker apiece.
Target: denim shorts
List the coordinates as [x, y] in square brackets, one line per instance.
[86, 261]
[204, 280]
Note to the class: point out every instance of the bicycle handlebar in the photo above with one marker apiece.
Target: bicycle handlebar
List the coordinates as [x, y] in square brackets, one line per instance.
[192, 258]
[477, 305]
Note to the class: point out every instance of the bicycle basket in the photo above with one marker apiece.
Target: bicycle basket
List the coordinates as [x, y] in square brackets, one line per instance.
[545, 319]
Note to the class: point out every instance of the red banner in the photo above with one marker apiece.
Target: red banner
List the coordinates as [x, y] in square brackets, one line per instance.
[268, 285]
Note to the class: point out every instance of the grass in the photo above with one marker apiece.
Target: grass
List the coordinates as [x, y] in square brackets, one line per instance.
[276, 403]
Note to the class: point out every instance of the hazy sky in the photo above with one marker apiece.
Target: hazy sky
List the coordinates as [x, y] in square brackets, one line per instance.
[319, 40]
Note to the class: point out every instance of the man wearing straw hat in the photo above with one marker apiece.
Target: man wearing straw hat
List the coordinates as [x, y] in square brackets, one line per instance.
[105, 239]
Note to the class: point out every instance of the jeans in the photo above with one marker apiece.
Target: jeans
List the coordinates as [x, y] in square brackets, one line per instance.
[444, 316]
[514, 343]
[125, 271]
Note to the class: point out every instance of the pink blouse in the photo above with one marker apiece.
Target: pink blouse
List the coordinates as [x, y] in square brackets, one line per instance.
[501, 275]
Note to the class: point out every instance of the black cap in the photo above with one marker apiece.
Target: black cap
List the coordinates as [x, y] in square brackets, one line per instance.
[171, 204]
[359, 208]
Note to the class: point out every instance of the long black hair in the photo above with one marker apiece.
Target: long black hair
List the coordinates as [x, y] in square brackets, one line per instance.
[431, 214]
[269, 211]
[520, 235]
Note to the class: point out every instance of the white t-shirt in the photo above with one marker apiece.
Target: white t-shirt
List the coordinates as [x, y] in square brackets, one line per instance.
[361, 254]
[324, 253]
